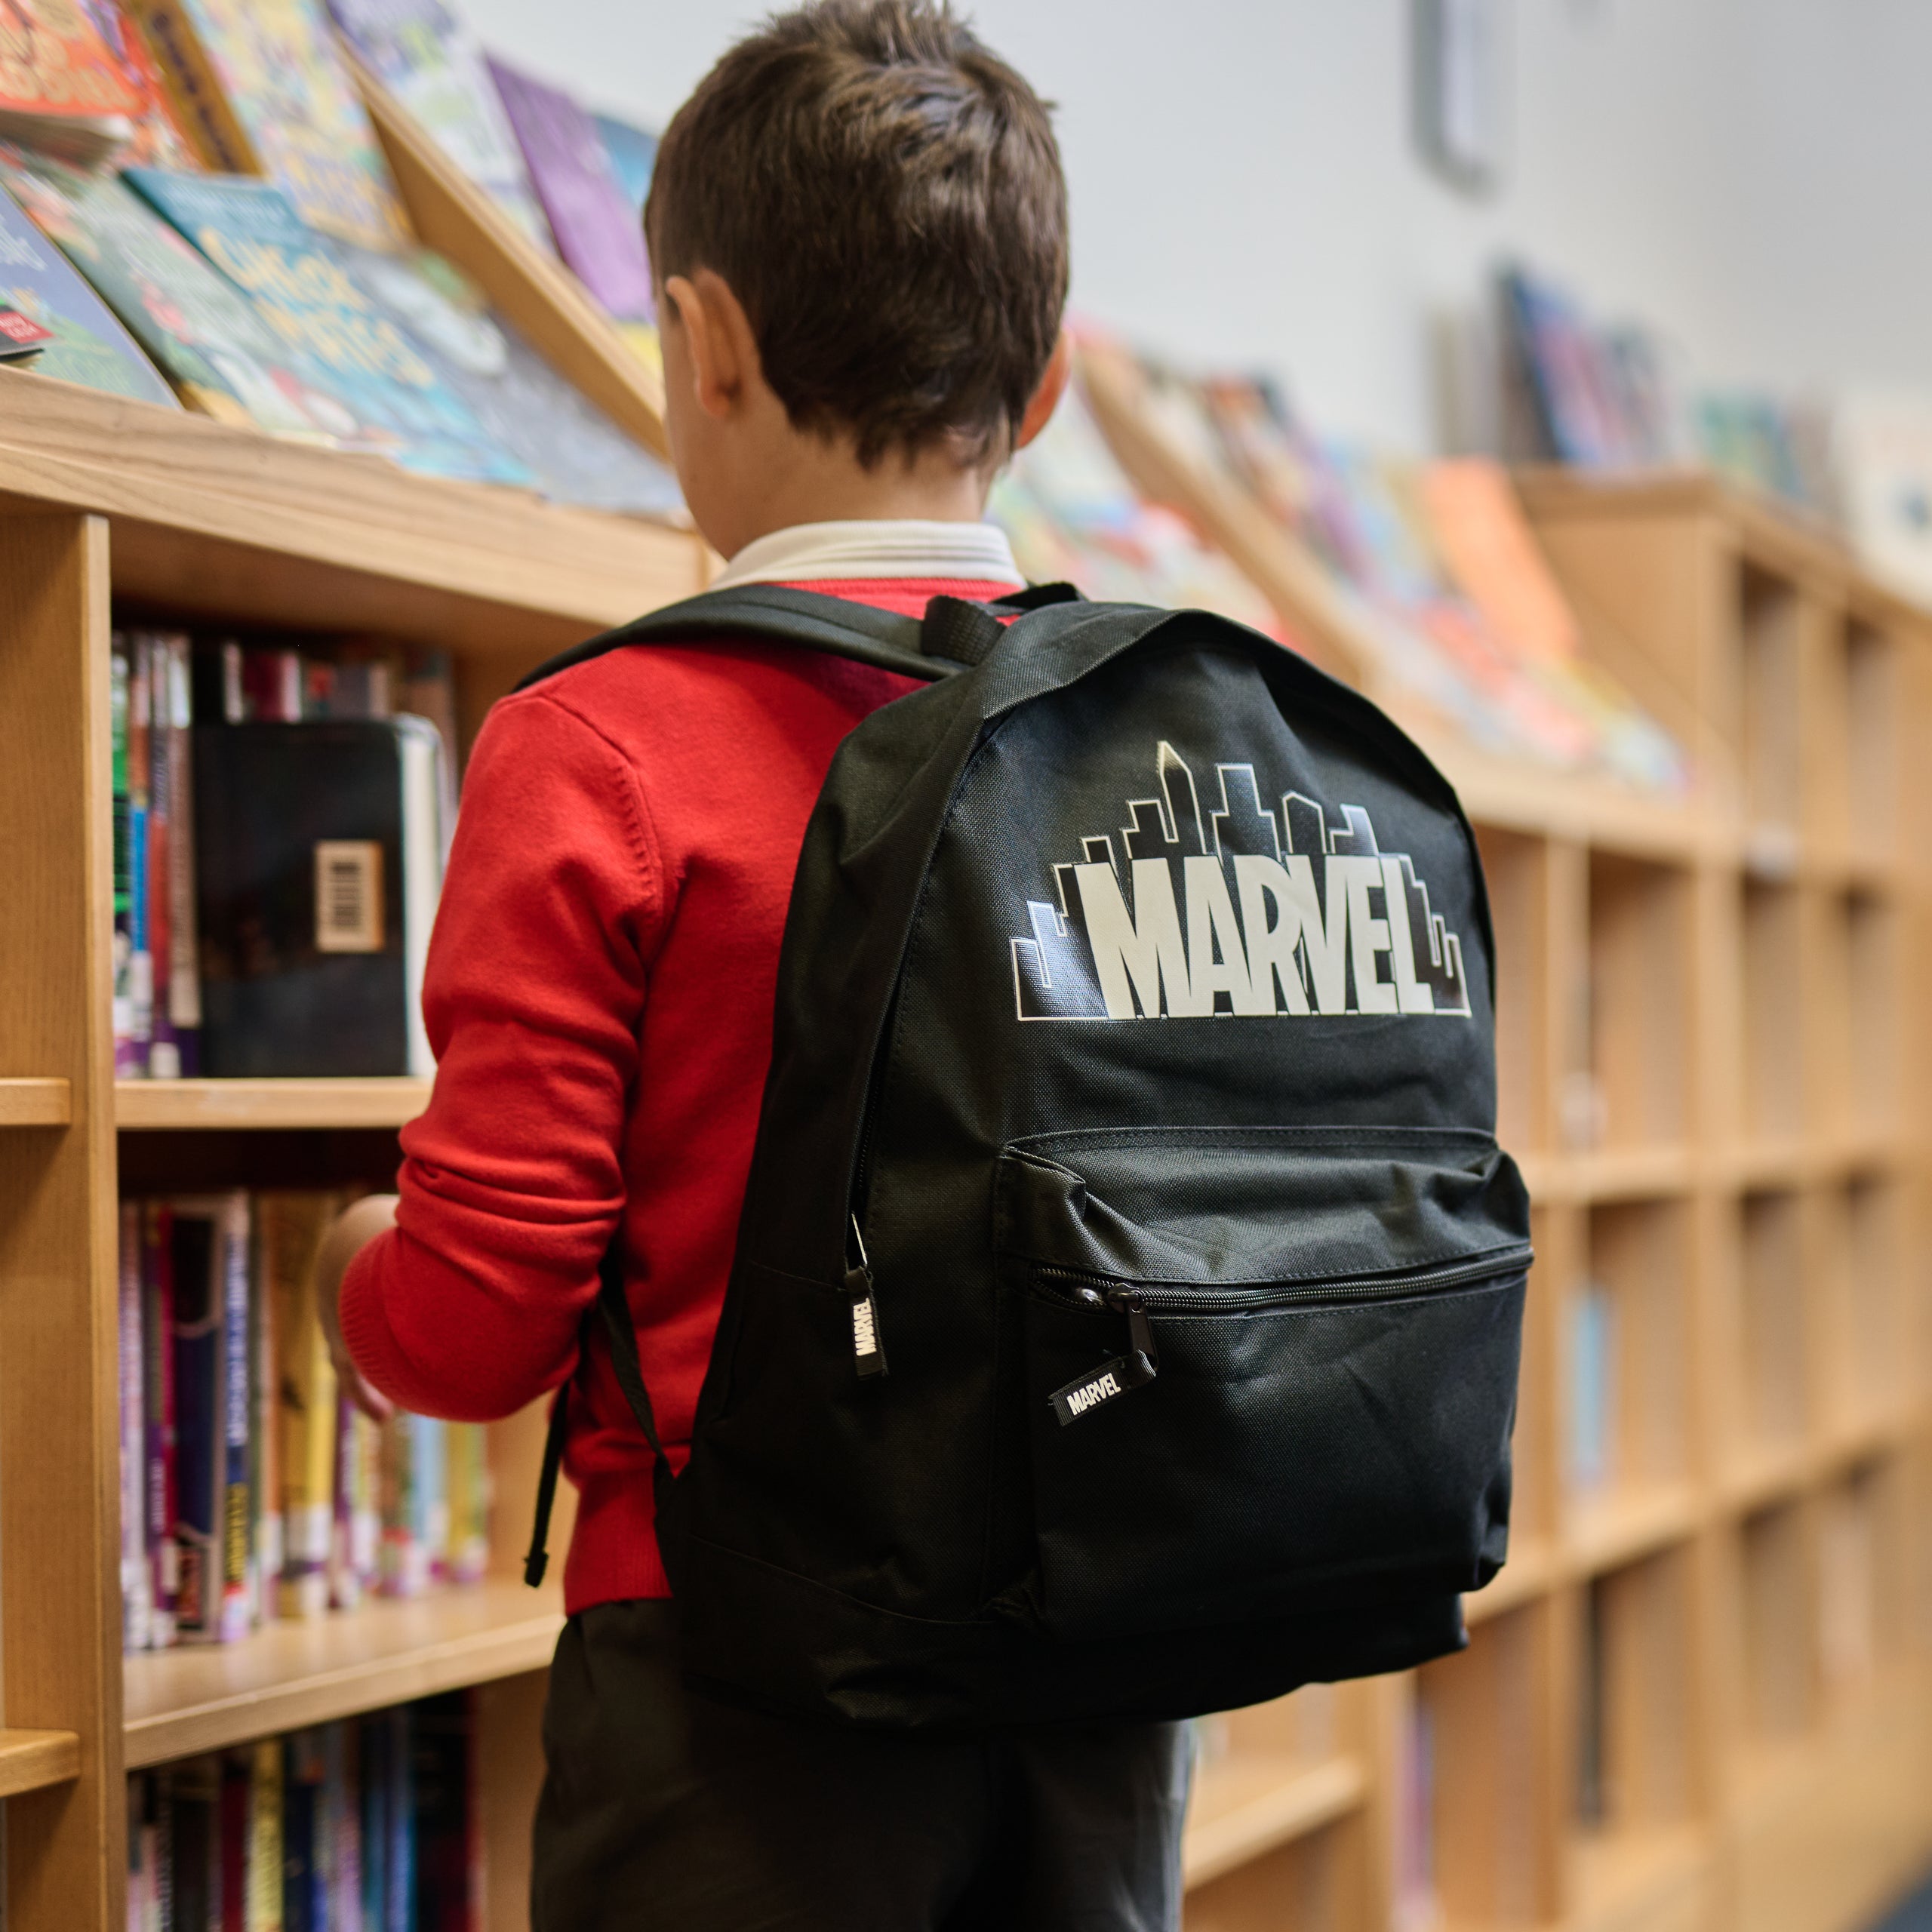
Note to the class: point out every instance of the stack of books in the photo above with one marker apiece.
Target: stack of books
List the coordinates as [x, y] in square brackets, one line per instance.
[282, 810]
[250, 1490]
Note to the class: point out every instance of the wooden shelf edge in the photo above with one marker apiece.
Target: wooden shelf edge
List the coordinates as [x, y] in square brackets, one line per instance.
[1303, 1802]
[269, 1103]
[32, 1760]
[36, 1102]
[182, 1702]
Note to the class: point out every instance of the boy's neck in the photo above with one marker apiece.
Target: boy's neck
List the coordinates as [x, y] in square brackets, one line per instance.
[821, 482]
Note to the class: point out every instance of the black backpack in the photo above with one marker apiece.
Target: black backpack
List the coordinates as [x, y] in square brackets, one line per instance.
[1126, 1310]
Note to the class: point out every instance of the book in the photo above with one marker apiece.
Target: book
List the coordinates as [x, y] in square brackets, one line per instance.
[573, 453]
[192, 1794]
[252, 233]
[1485, 539]
[633, 155]
[60, 89]
[159, 1419]
[156, 137]
[579, 192]
[305, 1903]
[137, 1577]
[292, 1226]
[210, 1250]
[1882, 443]
[121, 727]
[164, 745]
[424, 52]
[83, 342]
[178, 987]
[1593, 1387]
[208, 339]
[320, 849]
[262, 88]
[448, 1892]
[265, 1800]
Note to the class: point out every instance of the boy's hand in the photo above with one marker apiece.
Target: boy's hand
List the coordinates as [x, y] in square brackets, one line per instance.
[352, 1230]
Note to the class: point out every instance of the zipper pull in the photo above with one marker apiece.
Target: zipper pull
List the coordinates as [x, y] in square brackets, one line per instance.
[867, 1351]
[1143, 1363]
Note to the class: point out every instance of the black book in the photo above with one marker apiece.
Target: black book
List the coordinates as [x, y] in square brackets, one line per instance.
[319, 848]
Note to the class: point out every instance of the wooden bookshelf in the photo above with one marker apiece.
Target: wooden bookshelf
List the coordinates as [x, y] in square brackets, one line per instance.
[1700, 1697]
[112, 511]
[287, 1675]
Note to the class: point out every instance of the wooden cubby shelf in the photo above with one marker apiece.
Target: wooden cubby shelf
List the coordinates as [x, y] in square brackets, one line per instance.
[1248, 1805]
[36, 1103]
[204, 1697]
[214, 1104]
[33, 1760]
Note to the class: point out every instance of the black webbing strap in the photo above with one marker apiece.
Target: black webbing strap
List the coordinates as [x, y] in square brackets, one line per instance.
[611, 1313]
[777, 613]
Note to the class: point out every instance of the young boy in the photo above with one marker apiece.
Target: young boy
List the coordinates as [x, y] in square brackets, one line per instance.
[859, 224]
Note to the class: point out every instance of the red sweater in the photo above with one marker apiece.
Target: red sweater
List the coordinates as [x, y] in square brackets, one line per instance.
[599, 996]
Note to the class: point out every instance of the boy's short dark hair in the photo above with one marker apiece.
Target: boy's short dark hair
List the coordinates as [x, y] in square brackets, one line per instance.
[885, 196]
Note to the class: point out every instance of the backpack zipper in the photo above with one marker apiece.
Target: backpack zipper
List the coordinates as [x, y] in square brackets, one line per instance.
[1081, 1288]
[1091, 1289]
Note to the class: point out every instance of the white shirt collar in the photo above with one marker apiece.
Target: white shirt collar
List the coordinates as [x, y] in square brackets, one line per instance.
[878, 547]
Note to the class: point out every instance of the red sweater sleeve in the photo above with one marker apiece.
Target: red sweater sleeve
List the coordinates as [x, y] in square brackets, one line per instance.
[511, 1185]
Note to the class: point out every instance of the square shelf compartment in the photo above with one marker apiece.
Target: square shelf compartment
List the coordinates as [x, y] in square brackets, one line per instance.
[1862, 1317]
[1773, 1653]
[1854, 1002]
[1625, 1379]
[1771, 1401]
[1638, 1000]
[1314, 1884]
[1482, 1819]
[1771, 706]
[1863, 1610]
[1637, 1775]
[1516, 871]
[1771, 942]
[1855, 765]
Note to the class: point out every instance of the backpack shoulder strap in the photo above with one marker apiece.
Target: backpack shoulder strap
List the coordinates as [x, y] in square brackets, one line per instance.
[777, 613]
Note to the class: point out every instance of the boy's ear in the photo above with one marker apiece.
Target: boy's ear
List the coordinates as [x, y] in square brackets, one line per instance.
[1046, 397]
[718, 334]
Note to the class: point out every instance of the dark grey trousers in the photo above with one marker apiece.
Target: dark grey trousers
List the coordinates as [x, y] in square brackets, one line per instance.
[662, 1809]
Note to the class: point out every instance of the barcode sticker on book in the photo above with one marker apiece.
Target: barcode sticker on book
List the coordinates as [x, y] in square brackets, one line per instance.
[348, 895]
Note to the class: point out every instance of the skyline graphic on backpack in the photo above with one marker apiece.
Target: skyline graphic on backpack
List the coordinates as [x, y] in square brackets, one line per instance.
[1127, 1300]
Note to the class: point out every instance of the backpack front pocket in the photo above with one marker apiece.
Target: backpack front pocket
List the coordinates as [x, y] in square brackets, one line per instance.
[1265, 1369]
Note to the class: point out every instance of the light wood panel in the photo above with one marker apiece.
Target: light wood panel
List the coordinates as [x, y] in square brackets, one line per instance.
[33, 1760]
[202, 1697]
[59, 1533]
[36, 1102]
[362, 1102]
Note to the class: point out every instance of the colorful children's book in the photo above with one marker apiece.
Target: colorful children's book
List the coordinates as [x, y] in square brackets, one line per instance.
[261, 85]
[211, 1256]
[578, 188]
[136, 1578]
[158, 139]
[424, 52]
[633, 153]
[291, 1229]
[209, 339]
[252, 233]
[160, 1487]
[575, 453]
[83, 342]
[60, 91]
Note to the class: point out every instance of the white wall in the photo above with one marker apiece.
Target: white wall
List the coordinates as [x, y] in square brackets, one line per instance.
[1754, 175]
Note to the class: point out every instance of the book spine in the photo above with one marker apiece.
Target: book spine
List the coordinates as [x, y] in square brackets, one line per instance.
[195, 88]
[365, 1511]
[235, 1780]
[309, 1402]
[400, 1903]
[401, 1561]
[265, 1851]
[345, 1580]
[141, 961]
[430, 1516]
[345, 1831]
[164, 1055]
[238, 1510]
[265, 1435]
[468, 1475]
[302, 1780]
[137, 1578]
[184, 973]
[197, 1303]
[120, 674]
[158, 1416]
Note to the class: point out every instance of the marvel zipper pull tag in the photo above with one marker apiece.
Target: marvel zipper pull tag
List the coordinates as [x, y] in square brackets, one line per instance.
[1144, 1363]
[867, 1351]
